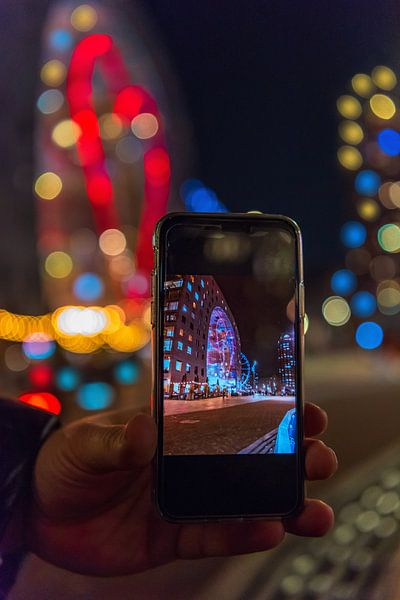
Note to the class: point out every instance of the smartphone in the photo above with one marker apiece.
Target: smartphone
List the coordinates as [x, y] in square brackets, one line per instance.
[228, 314]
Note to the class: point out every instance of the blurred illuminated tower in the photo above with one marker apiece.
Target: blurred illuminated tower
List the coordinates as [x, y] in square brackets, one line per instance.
[367, 288]
[287, 365]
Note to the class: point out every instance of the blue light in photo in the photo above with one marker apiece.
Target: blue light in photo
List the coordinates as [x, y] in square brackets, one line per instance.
[95, 396]
[369, 335]
[61, 40]
[353, 234]
[389, 141]
[88, 287]
[67, 379]
[363, 304]
[127, 372]
[199, 198]
[343, 282]
[367, 183]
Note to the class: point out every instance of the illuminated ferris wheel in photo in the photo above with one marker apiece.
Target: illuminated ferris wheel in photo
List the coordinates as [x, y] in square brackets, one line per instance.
[222, 350]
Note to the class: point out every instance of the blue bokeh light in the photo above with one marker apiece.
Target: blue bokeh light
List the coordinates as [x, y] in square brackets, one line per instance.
[126, 372]
[369, 335]
[61, 40]
[88, 287]
[199, 198]
[38, 349]
[95, 396]
[353, 234]
[389, 141]
[67, 379]
[367, 183]
[363, 304]
[343, 282]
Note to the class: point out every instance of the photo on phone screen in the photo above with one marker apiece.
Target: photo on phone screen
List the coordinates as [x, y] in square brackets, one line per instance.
[228, 347]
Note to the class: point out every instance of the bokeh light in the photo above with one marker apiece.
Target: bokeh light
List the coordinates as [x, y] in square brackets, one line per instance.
[58, 264]
[382, 267]
[367, 183]
[385, 195]
[343, 282]
[384, 77]
[389, 237]
[60, 40]
[66, 133]
[42, 400]
[112, 242]
[50, 101]
[336, 311]
[389, 141]
[53, 73]
[95, 396]
[394, 193]
[389, 300]
[369, 335]
[198, 198]
[67, 379]
[368, 209]
[38, 346]
[15, 359]
[40, 375]
[362, 85]
[110, 126]
[144, 126]
[84, 17]
[349, 107]
[351, 132]
[382, 106]
[349, 157]
[126, 372]
[48, 185]
[363, 304]
[88, 287]
[353, 234]
[76, 320]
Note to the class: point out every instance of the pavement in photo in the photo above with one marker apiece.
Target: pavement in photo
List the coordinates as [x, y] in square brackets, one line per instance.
[176, 407]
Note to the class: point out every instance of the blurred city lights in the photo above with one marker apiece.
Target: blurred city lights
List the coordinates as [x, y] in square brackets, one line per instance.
[67, 379]
[367, 183]
[389, 141]
[382, 267]
[368, 209]
[343, 282]
[38, 346]
[50, 101]
[60, 40]
[75, 320]
[66, 133]
[95, 396]
[42, 400]
[369, 335]
[136, 285]
[58, 265]
[389, 300]
[349, 157]
[382, 106]
[349, 107]
[83, 17]
[144, 126]
[126, 372]
[362, 85]
[336, 311]
[48, 185]
[110, 126]
[351, 132]
[40, 375]
[112, 242]
[394, 193]
[389, 237]
[385, 195]
[198, 198]
[88, 287]
[53, 73]
[15, 359]
[353, 234]
[363, 304]
[384, 77]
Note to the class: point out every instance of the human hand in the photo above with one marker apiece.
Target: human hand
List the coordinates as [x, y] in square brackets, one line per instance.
[93, 512]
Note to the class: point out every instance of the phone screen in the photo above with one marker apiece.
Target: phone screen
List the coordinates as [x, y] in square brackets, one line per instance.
[229, 348]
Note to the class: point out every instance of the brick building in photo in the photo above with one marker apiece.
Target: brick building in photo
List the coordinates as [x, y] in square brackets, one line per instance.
[202, 354]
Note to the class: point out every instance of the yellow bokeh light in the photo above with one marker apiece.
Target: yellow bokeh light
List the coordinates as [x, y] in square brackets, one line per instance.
[349, 157]
[112, 242]
[129, 338]
[382, 106]
[362, 85]
[368, 209]
[84, 17]
[349, 107]
[389, 300]
[53, 73]
[121, 267]
[48, 185]
[110, 126]
[144, 126]
[389, 237]
[384, 78]
[66, 133]
[394, 193]
[58, 265]
[385, 195]
[351, 132]
[336, 311]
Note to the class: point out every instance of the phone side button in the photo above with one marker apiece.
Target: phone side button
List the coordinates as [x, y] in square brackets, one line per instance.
[152, 313]
[301, 300]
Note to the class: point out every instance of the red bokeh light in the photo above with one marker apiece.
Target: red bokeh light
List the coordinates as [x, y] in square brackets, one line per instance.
[99, 188]
[42, 400]
[40, 376]
[156, 166]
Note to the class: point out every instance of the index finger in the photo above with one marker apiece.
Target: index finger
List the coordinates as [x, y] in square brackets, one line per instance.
[315, 419]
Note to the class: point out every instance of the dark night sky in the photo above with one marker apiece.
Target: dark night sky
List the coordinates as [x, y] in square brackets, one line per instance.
[260, 80]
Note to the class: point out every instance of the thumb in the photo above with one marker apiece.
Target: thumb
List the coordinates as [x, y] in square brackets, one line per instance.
[103, 448]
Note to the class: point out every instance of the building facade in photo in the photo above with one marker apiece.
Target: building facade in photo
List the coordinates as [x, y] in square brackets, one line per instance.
[287, 363]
